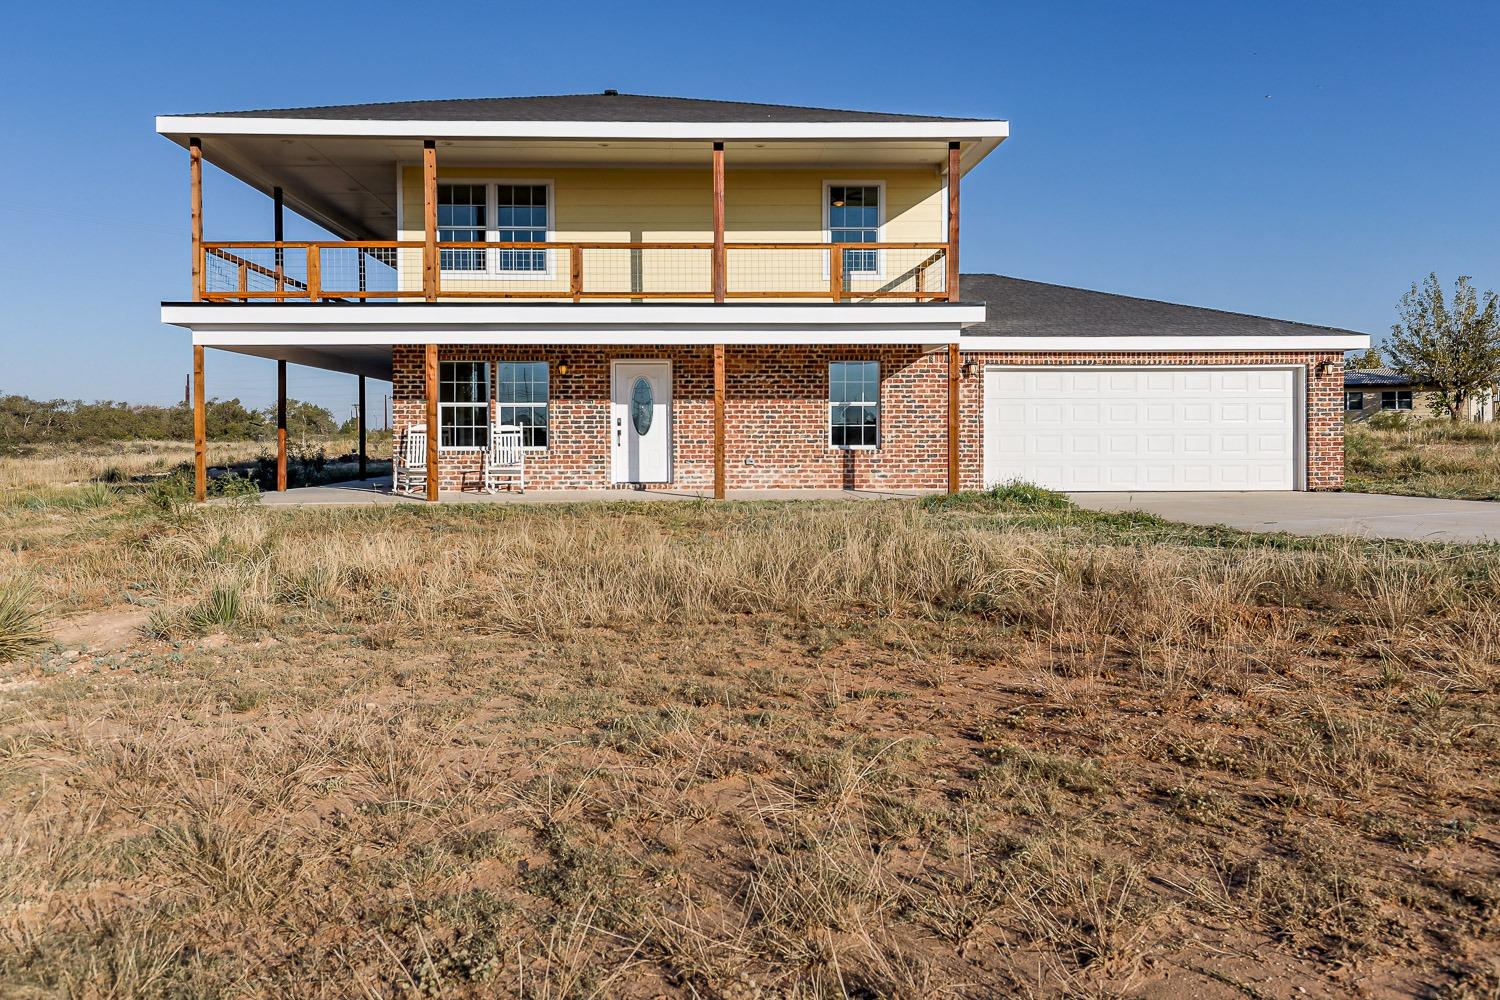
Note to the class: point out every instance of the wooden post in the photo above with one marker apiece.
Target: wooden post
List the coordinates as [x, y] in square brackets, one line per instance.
[314, 272]
[200, 429]
[364, 464]
[281, 427]
[836, 273]
[575, 275]
[719, 380]
[952, 253]
[721, 259]
[278, 233]
[430, 370]
[954, 385]
[429, 228]
[195, 173]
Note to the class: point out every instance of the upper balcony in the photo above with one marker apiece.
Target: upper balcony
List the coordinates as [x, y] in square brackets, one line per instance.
[591, 198]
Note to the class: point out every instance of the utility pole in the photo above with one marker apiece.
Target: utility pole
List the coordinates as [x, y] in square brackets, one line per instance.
[187, 389]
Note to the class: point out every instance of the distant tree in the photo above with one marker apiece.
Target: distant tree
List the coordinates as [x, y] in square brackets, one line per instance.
[1454, 348]
[1370, 358]
[305, 419]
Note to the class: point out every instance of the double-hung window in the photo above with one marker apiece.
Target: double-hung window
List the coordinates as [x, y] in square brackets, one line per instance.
[1354, 401]
[496, 213]
[854, 217]
[854, 404]
[521, 211]
[462, 211]
[1395, 399]
[464, 404]
[522, 400]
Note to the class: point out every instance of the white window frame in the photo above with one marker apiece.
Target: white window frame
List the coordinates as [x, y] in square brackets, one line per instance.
[492, 268]
[546, 404]
[1395, 395]
[879, 273]
[1351, 397]
[829, 404]
[489, 404]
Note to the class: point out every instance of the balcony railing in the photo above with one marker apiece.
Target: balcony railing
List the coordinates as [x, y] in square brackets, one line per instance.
[377, 270]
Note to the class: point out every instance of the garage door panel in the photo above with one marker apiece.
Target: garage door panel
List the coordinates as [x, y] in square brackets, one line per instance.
[1152, 429]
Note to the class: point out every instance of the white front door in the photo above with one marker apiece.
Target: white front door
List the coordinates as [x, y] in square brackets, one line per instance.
[1100, 428]
[641, 421]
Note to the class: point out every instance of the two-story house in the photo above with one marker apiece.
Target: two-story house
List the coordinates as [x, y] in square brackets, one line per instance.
[714, 296]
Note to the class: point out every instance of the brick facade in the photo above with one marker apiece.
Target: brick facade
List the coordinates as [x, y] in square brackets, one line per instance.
[776, 413]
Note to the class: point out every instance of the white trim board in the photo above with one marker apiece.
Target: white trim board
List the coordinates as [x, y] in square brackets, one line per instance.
[1161, 345]
[643, 336]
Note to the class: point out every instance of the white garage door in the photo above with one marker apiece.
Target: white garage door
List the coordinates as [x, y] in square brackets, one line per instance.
[1101, 429]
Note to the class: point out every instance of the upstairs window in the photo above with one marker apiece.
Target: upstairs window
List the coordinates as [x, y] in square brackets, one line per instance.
[464, 404]
[522, 400]
[522, 217]
[462, 218]
[1397, 399]
[854, 217]
[854, 404]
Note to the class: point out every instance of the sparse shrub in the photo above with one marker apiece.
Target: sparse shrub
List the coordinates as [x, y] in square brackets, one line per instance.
[22, 625]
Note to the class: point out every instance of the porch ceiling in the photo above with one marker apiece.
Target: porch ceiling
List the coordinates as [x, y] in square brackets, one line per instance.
[369, 360]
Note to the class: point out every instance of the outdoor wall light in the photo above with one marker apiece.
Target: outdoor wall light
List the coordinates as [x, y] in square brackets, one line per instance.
[1322, 369]
[968, 369]
[562, 368]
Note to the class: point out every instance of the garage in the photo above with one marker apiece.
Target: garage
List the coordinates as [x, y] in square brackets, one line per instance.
[1091, 429]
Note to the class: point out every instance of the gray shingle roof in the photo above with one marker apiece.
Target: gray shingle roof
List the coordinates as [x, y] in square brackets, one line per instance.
[1021, 308]
[1357, 377]
[581, 108]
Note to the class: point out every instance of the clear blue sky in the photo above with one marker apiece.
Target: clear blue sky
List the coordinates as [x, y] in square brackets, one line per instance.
[1300, 160]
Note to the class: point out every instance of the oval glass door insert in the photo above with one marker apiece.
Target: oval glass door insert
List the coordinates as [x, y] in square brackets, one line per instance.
[641, 409]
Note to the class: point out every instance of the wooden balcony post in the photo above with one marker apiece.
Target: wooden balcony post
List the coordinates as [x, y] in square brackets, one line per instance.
[719, 380]
[195, 173]
[429, 228]
[430, 380]
[281, 427]
[721, 259]
[314, 272]
[952, 258]
[200, 429]
[364, 462]
[836, 273]
[954, 386]
[575, 272]
[278, 233]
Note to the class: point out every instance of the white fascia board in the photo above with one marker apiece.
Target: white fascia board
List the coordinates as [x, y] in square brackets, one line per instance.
[1158, 345]
[333, 337]
[553, 316]
[187, 125]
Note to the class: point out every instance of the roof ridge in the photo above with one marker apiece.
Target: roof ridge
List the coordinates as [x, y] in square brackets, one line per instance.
[544, 97]
[1166, 302]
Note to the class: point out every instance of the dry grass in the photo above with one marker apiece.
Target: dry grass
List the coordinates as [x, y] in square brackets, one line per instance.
[1425, 458]
[967, 748]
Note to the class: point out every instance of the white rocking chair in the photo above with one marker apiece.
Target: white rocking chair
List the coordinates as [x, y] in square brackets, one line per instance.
[410, 470]
[505, 459]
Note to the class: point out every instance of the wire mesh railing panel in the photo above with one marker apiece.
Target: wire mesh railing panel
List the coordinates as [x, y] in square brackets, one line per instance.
[255, 272]
[647, 272]
[895, 272]
[360, 272]
[502, 270]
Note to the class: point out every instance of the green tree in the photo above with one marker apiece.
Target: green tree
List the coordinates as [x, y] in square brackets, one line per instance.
[1452, 347]
[1369, 358]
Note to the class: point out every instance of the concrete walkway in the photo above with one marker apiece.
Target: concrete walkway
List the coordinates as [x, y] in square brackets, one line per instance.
[378, 491]
[1366, 514]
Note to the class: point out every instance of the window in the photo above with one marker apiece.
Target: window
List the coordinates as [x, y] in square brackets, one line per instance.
[464, 404]
[461, 219]
[494, 212]
[522, 398]
[1354, 401]
[1395, 399]
[854, 217]
[854, 404]
[521, 210]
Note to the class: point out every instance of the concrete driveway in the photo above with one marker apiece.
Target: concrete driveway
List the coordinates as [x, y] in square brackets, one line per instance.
[1367, 514]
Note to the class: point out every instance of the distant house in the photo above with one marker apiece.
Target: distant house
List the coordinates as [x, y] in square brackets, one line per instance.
[1369, 391]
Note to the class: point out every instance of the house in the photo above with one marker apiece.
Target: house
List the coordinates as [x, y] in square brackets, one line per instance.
[1368, 391]
[714, 295]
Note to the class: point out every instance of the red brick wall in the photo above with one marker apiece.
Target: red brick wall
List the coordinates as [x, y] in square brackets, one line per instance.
[776, 413]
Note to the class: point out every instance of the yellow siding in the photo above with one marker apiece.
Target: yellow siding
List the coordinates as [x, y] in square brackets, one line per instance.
[642, 205]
